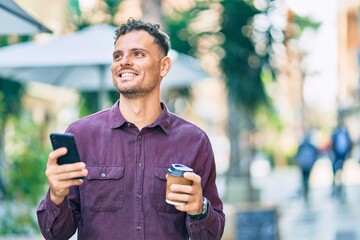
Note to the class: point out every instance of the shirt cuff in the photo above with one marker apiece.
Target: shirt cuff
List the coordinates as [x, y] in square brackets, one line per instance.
[54, 210]
[197, 225]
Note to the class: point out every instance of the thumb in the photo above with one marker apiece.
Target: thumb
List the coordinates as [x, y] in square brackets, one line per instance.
[193, 177]
[54, 155]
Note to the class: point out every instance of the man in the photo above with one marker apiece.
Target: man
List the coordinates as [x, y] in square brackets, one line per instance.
[305, 157]
[125, 152]
[341, 145]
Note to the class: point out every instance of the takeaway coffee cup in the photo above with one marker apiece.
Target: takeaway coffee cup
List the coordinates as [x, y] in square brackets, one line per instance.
[176, 176]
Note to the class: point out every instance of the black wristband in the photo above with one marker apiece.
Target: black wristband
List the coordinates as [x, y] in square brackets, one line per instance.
[204, 212]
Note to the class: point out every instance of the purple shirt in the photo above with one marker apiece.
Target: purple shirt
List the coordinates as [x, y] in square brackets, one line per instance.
[123, 196]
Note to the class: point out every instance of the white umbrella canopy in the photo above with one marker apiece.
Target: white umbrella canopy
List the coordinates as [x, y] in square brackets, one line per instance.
[81, 61]
[77, 60]
[15, 20]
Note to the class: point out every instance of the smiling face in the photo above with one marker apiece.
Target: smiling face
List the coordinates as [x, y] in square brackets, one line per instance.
[138, 65]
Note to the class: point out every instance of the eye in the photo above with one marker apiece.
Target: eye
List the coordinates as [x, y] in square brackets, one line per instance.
[139, 54]
[117, 56]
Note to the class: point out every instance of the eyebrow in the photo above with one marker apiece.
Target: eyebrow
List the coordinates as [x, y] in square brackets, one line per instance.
[131, 50]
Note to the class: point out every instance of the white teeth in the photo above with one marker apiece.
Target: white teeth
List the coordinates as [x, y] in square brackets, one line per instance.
[127, 75]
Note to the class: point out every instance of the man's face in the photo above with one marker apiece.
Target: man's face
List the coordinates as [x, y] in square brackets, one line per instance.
[137, 67]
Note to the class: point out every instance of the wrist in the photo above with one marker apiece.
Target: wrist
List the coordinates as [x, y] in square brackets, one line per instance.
[204, 212]
[55, 199]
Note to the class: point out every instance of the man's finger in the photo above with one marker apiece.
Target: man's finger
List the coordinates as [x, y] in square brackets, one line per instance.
[193, 177]
[72, 175]
[181, 188]
[79, 167]
[71, 182]
[70, 167]
[54, 155]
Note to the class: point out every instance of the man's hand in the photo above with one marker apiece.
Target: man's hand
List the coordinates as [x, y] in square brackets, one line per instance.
[192, 195]
[61, 177]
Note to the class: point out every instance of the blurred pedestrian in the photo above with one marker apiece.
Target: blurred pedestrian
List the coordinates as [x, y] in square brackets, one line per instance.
[305, 158]
[341, 145]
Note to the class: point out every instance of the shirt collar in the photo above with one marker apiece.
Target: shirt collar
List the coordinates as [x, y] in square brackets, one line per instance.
[164, 120]
[116, 118]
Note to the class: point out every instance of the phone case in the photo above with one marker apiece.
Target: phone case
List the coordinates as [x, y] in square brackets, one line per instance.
[67, 140]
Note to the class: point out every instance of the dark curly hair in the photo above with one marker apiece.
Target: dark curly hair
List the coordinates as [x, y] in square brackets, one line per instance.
[161, 38]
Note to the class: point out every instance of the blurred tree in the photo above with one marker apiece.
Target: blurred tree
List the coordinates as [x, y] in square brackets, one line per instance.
[102, 12]
[112, 7]
[152, 12]
[11, 93]
[243, 64]
[18, 183]
[28, 154]
[10, 105]
[296, 25]
[89, 100]
[24, 184]
[249, 61]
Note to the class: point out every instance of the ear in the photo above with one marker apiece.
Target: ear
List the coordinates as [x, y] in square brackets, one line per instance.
[165, 66]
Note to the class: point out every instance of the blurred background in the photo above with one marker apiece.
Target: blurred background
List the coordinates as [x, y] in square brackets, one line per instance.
[258, 76]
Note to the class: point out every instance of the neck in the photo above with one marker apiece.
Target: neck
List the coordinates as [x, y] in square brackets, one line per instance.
[141, 112]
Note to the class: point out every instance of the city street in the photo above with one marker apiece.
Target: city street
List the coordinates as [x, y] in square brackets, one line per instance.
[324, 217]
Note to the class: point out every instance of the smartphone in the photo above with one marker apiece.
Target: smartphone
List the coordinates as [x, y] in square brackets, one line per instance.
[67, 140]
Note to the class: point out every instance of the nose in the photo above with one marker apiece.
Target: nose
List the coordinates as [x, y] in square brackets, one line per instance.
[126, 60]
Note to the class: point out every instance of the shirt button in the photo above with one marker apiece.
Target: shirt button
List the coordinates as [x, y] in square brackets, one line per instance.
[129, 124]
[138, 228]
[138, 196]
[103, 175]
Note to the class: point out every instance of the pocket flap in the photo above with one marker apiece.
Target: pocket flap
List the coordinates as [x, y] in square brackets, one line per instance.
[105, 172]
[160, 172]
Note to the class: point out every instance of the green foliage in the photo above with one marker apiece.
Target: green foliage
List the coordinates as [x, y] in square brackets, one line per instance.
[112, 9]
[268, 118]
[299, 24]
[178, 22]
[76, 17]
[81, 19]
[113, 96]
[183, 39]
[7, 40]
[242, 64]
[11, 93]
[177, 99]
[89, 101]
[19, 220]
[27, 162]
[25, 181]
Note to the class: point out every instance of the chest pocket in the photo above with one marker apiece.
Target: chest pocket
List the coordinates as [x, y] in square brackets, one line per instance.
[159, 192]
[103, 189]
